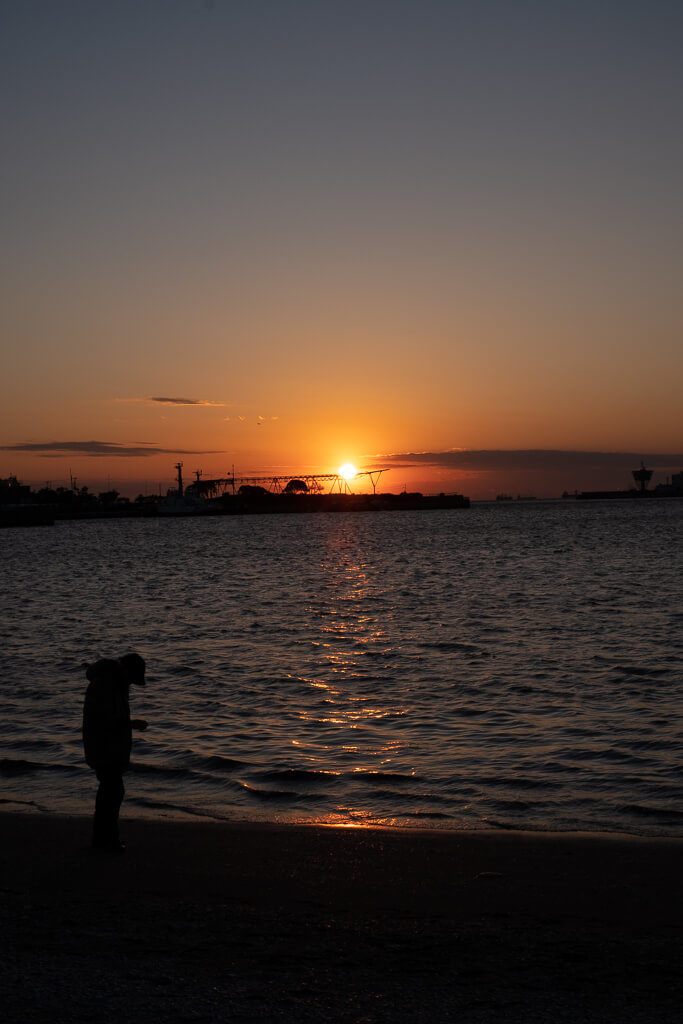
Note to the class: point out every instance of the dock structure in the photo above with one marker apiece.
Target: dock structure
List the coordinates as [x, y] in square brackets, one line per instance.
[310, 483]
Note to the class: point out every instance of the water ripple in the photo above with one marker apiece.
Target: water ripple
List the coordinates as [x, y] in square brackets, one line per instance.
[511, 667]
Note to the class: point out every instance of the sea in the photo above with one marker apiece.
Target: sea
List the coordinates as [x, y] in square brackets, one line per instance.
[514, 665]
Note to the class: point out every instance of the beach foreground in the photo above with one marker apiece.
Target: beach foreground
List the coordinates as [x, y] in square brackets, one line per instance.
[201, 922]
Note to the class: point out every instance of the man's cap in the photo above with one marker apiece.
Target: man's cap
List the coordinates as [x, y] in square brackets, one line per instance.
[134, 666]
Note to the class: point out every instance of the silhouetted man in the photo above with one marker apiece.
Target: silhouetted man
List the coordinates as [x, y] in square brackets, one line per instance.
[107, 739]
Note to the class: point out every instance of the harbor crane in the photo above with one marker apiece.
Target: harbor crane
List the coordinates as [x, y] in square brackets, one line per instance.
[316, 483]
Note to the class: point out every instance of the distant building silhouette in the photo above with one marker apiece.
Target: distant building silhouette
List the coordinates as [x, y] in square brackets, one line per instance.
[642, 477]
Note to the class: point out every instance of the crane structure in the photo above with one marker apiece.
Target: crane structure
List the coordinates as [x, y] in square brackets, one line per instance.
[315, 483]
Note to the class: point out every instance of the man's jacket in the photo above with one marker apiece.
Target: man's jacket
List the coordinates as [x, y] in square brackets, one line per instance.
[107, 735]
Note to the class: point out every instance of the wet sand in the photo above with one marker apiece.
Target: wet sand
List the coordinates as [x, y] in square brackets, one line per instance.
[265, 923]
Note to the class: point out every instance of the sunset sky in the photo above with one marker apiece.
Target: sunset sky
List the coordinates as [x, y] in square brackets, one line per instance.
[445, 237]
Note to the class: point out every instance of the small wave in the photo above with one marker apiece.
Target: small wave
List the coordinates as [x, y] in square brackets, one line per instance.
[24, 803]
[31, 744]
[396, 777]
[427, 814]
[222, 764]
[298, 775]
[641, 811]
[163, 770]
[9, 766]
[526, 782]
[511, 805]
[456, 646]
[658, 744]
[270, 794]
[625, 756]
[160, 805]
[640, 670]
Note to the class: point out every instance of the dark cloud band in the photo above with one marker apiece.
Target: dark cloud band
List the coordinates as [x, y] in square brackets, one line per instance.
[183, 401]
[99, 449]
[542, 460]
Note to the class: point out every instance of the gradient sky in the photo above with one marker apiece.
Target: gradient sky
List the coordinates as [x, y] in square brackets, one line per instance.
[341, 231]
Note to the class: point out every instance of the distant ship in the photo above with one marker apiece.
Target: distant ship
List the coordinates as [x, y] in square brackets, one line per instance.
[181, 501]
[520, 497]
[174, 505]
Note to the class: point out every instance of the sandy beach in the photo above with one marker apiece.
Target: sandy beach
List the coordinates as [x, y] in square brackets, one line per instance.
[199, 922]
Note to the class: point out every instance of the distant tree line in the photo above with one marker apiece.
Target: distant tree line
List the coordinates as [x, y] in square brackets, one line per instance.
[13, 492]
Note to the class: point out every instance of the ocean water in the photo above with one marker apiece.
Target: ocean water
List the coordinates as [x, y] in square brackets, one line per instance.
[508, 666]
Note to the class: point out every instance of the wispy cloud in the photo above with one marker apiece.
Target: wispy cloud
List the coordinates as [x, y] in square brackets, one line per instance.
[172, 400]
[100, 449]
[493, 460]
[184, 401]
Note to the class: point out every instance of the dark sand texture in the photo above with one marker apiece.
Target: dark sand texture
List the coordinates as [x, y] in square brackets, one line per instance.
[254, 923]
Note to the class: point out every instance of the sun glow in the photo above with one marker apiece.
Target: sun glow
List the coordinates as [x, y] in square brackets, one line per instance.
[348, 471]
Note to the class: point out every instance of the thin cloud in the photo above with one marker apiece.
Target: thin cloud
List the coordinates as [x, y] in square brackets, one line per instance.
[492, 460]
[185, 401]
[169, 400]
[100, 449]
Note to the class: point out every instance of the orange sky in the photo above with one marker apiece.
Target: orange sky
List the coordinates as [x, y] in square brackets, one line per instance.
[348, 233]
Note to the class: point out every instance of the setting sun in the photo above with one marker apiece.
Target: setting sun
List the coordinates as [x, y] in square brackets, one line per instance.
[348, 471]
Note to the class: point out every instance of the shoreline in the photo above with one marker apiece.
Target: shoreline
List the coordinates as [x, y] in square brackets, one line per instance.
[131, 813]
[254, 921]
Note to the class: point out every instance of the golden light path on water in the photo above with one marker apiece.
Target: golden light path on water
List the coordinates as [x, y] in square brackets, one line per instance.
[347, 631]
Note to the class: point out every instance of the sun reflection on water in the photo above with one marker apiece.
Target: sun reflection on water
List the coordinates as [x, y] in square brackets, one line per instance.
[348, 818]
[350, 725]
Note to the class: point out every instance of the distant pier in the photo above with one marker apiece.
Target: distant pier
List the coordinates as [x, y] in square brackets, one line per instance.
[20, 506]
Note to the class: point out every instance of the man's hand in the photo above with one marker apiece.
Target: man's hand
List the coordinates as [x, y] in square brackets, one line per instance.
[138, 723]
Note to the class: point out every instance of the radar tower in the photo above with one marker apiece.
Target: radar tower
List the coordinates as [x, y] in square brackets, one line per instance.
[642, 477]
